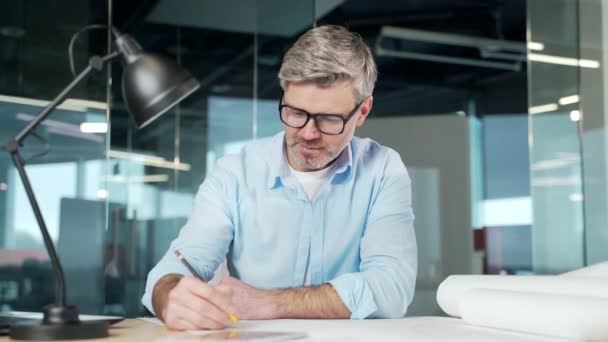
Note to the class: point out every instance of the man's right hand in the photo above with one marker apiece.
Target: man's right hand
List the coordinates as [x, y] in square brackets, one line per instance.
[187, 303]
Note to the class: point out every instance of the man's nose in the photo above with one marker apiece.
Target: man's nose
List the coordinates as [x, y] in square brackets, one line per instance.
[310, 130]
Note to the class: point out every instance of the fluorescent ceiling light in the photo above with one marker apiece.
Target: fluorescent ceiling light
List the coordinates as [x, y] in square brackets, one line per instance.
[69, 104]
[575, 115]
[62, 128]
[511, 211]
[550, 107]
[102, 193]
[149, 160]
[584, 63]
[550, 164]
[576, 197]
[556, 181]
[137, 179]
[500, 49]
[536, 46]
[94, 127]
[566, 100]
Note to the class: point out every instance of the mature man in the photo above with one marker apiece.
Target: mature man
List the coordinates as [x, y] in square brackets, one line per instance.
[314, 223]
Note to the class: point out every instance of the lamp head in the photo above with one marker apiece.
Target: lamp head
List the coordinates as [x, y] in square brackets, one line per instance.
[151, 84]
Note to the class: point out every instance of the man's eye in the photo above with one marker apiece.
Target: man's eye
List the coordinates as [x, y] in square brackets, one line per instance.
[330, 119]
[298, 112]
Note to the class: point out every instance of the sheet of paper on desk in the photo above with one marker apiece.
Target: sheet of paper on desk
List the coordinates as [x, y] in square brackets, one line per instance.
[427, 329]
[152, 320]
[248, 335]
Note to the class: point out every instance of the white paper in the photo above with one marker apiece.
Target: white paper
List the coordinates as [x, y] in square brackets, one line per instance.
[427, 329]
[451, 292]
[152, 320]
[248, 335]
[566, 316]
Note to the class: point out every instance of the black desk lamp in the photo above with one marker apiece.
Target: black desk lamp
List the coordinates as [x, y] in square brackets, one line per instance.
[151, 85]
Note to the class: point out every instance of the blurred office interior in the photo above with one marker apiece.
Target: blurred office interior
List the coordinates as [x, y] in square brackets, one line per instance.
[496, 107]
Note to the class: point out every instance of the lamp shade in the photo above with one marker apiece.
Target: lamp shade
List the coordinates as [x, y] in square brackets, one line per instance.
[151, 84]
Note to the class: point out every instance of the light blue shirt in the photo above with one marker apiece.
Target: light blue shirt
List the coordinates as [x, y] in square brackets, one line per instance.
[358, 232]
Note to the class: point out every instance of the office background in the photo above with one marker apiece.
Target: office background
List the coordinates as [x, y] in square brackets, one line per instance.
[508, 154]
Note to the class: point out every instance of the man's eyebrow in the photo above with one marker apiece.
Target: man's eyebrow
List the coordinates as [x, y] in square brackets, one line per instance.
[309, 112]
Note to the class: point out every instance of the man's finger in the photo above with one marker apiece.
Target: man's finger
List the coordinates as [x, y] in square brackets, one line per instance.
[183, 315]
[181, 324]
[222, 299]
[205, 308]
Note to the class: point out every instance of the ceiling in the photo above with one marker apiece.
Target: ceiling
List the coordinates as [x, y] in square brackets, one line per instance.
[219, 44]
[235, 48]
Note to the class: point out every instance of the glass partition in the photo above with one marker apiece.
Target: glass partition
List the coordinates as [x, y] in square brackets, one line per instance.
[155, 172]
[555, 147]
[115, 200]
[594, 136]
[65, 157]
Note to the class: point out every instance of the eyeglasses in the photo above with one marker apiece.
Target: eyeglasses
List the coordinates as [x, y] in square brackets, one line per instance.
[331, 124]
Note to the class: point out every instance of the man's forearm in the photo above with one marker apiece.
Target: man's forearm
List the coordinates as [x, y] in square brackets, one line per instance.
[310, 302]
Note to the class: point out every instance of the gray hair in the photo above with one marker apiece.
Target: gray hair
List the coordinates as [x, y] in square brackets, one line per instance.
[329, 54]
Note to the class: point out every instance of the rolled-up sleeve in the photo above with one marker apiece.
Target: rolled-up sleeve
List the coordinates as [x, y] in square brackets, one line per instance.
[384, 287]
[205, 238]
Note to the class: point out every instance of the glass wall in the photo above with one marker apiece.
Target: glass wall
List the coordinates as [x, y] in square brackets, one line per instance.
[593, 127]
[558, 144]
[155, 172]
[568, 118]
[65, 160]
[115, 200]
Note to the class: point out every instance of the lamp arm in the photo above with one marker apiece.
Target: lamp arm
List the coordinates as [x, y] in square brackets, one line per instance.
[95, 63]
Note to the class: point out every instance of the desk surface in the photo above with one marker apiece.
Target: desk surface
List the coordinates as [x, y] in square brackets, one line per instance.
[412, 329]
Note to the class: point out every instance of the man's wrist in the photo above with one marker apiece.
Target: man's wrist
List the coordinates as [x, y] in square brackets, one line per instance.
[268, 304]
[277, 303]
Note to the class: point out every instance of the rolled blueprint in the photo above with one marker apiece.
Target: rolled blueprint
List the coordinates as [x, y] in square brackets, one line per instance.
[567, 316]
[451, 292]
[597, 270]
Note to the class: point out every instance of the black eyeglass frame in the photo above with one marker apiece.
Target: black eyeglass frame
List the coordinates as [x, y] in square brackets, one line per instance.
[314, 116]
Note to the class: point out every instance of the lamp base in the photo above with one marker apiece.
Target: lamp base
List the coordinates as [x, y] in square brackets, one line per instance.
[59, 323]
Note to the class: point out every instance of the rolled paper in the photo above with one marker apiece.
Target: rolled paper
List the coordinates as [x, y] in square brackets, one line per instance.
[577, 317]
[597, 270]
[451, 292]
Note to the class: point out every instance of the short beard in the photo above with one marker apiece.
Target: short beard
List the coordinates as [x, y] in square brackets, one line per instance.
[310, 163]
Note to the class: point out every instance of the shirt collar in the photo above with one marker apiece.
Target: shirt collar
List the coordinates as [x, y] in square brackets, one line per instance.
[279, 167]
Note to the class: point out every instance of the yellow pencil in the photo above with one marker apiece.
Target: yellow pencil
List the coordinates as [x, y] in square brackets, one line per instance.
[181, 258]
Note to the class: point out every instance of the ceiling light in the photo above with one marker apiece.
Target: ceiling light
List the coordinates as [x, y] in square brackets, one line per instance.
[536, 46]
[102, 193]
[575, 115]
[566, 100]
[137, 179]
[584, 63]
[94, 127]
[69, 104]
[149, 160]
[550, 107]
[576, 197]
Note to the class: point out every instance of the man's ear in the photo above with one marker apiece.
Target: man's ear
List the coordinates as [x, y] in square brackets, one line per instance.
[366, 108]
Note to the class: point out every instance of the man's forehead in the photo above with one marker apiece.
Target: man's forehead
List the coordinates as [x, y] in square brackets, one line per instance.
[337, 98]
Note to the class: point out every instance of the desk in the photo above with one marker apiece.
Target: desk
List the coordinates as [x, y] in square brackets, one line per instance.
[408, 329]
